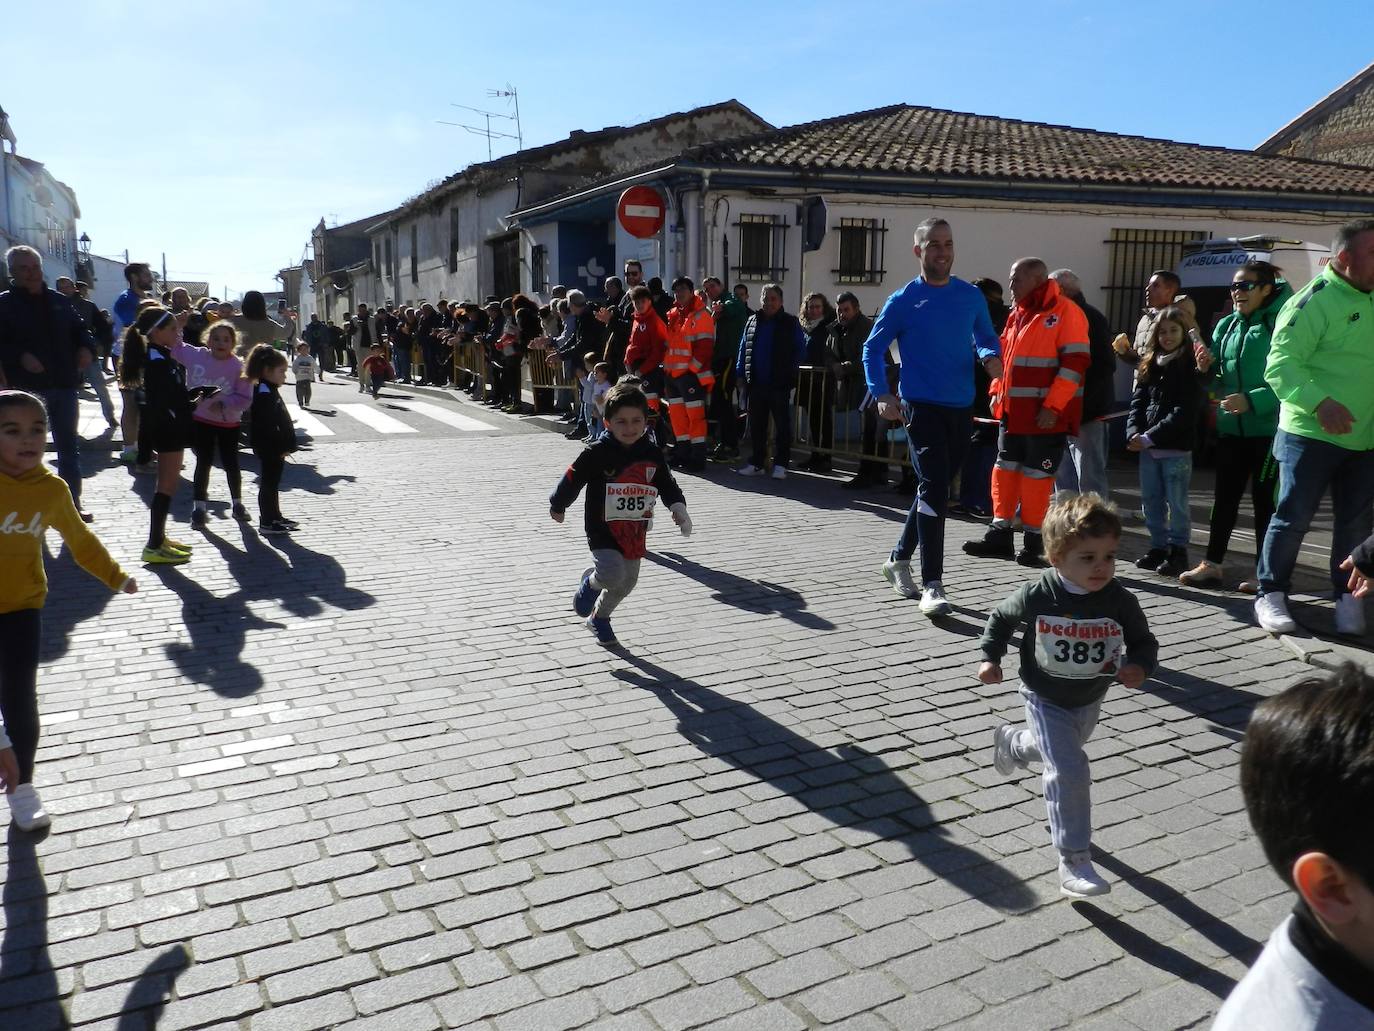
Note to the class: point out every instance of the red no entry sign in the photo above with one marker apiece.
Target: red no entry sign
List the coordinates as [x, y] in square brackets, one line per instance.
[640, 211]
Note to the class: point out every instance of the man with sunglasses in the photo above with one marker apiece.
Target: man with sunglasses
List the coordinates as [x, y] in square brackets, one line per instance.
[1321, 367]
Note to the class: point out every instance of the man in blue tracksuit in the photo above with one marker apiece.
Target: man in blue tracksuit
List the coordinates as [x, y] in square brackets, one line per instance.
[939, 324]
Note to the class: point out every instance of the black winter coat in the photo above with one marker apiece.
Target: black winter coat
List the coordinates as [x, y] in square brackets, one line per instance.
[1099, 385]
[47, 326]
[271, 431]
[1165, 404]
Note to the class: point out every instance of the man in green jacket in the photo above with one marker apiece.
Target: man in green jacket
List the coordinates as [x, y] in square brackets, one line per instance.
[1321, 366]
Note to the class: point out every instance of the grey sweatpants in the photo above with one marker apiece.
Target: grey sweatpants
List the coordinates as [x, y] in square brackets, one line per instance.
[1055, 737]
[614, 576]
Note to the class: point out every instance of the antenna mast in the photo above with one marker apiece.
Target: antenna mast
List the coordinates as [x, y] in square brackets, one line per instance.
[488, 131]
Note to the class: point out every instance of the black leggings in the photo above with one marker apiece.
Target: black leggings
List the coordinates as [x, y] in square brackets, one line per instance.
[1242, 460]
[269, 483]
[19, 634]
[205, 441]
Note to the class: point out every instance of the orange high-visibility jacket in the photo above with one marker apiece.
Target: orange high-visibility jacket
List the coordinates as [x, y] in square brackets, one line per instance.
[691, 337]
[1045, 355]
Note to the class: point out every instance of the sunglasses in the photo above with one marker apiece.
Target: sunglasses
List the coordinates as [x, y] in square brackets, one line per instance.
[1245, 285]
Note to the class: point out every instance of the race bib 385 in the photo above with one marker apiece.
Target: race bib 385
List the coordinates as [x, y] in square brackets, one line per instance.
[632, 502]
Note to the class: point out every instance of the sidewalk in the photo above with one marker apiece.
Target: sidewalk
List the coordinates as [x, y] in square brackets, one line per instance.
[383, 779]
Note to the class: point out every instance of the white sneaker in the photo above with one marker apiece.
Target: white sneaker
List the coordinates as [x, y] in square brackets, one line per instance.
[1003, 758]
[933, 600]
[1078, 879]
[898, 573]
[1271, 611]
[749, 470]
[1350, 615]
[779, 473]
[27, 809]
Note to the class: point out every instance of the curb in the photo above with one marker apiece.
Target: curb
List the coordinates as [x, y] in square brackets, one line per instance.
[1314, 651]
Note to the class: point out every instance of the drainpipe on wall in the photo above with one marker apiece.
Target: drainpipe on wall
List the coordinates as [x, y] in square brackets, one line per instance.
[703, 245]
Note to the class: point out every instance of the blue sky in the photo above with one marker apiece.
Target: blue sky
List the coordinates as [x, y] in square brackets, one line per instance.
[221, 133]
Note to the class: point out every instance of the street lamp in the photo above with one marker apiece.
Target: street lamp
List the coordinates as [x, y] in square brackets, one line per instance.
[85, 242]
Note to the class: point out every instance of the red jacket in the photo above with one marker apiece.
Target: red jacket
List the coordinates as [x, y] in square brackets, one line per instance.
[1045, 355]
[648, 342]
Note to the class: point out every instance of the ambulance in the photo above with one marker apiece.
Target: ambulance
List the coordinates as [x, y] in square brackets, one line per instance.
[1208, 266]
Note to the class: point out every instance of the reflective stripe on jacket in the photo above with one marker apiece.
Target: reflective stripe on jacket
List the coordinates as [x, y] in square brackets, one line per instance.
[1045, 356]
[691, 335]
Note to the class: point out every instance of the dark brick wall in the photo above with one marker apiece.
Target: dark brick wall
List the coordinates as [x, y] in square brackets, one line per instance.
[1345, 135]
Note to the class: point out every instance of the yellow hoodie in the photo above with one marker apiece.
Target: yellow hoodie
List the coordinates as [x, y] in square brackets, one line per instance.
[29, 505]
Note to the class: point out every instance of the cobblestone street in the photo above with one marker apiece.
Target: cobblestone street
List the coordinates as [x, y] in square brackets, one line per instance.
[376, 775]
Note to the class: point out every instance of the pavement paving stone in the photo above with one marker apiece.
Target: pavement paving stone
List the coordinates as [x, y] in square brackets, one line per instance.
[774, 809]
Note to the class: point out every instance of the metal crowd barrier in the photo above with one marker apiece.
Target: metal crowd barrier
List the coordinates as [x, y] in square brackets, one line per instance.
[822, 412]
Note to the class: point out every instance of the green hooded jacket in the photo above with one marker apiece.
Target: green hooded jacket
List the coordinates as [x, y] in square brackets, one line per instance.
[1323, 347]
[1241, 345]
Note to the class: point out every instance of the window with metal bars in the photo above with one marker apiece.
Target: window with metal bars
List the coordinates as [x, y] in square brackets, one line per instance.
[414, 253]
[1132, 254]
[761, 247]
[453, 238]
[862, 250]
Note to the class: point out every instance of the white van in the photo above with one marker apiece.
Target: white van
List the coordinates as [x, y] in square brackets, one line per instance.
[1208, 267]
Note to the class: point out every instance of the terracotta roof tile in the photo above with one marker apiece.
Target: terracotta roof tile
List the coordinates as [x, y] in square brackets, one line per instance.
[921, 141]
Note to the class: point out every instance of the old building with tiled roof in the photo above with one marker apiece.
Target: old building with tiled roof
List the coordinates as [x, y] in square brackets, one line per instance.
[1339, 127]
[832, 204]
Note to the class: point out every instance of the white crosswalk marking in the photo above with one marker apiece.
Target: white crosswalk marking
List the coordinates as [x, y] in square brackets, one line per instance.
[447, 416]
[307, 422]
[379, 421]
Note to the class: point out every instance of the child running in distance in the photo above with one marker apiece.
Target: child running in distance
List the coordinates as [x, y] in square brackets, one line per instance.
[305, 368]
[1162, 427]
[32, 500]
[1307, 774]
[624, 473]
[271, 434]
[165, 417]
[1080, 630]
[376, 369]
[214, 372]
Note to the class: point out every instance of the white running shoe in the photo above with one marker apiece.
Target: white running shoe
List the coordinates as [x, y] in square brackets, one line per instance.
[1271, 612]
[749, 470]
[933, 600]
[27, 809]
[897, 572]
[1350, 615]
[779, 473]
[1078, 879]
[1003, 758]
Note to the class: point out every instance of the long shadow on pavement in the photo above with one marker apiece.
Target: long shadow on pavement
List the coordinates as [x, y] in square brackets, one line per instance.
[27, 979]
[1234, 943]
[741, 593]
[1141, 946]
[846, 785]
[142, 1008]
[79, 597]
[301, 580]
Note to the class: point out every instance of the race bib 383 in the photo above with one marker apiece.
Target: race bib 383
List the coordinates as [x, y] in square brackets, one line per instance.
[1077, 649]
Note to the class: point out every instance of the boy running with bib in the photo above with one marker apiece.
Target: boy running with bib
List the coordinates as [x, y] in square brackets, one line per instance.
[625, 474]
[1080, 630]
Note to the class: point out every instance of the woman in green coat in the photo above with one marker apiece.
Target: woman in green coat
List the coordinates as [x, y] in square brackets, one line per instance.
[1247, 414]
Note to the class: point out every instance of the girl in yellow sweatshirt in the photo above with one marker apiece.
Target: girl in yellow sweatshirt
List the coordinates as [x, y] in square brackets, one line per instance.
[32, 500]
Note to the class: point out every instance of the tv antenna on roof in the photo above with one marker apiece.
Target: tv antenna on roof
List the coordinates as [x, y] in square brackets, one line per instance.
[488, 131]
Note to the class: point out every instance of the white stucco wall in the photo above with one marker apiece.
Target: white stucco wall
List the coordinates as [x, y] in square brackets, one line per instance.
[988, 238]
[479, 219]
